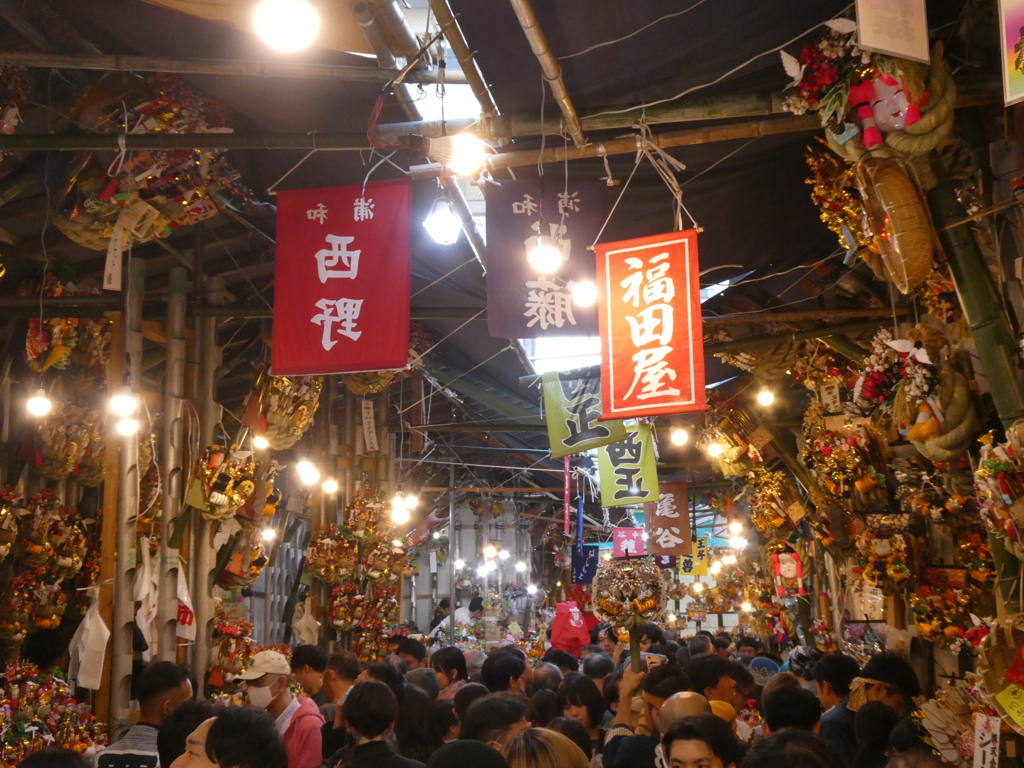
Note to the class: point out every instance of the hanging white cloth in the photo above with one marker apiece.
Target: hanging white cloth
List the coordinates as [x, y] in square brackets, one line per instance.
[304, 623]
[186, 626]
[147, 594]
[89, 647]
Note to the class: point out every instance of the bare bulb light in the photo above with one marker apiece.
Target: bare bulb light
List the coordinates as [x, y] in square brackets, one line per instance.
[308, 473]
[463, 154]
[442, 223]
[39, 404]
[521, 567]
[765, 397]
[728, 559]
[679, 436]
[716, 568]
[398, 501]
[715, 450]
[503, 554]
[287, 25]
[531, 589]
[491, 566]
[411, 501]
[738, 542]
[490, 551]
[482, 571]
[124, 403]
[746, 607]
[584, 292]
[698, 587]
[400, 515]
[330, 485]
[460, 564]
[127, 427]
[268, 534]
[260, 443]
[672, 618]
[735, 527]
[544, 256]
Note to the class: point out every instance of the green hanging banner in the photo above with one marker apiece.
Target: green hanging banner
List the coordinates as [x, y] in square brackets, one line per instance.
[572, 404]
[628, 469]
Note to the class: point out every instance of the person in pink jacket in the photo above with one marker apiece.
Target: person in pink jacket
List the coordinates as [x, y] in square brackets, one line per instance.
[297, 718]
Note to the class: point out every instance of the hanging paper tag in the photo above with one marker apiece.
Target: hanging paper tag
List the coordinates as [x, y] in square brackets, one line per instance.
[115, 250]
[796, 512]
[986, 741]
[433, 561]
[1011, 698]
[830, 397]
[369, 426]
[848, 131]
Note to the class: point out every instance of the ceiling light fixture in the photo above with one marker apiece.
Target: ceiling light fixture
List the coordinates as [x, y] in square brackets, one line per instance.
[679, 436]
[443, 223]
[39, 404]
[286, 25]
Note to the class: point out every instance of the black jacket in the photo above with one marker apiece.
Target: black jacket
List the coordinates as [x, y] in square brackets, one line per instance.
[377, 754]
[629, 751]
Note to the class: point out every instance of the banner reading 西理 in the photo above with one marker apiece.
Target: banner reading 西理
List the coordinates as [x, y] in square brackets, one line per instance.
[628, 469]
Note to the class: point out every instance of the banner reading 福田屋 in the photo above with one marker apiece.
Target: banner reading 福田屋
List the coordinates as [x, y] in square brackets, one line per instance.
[572, 406]
[628, 470]
[668, 521]
[651, 344]
[341, 285]
[522, 304]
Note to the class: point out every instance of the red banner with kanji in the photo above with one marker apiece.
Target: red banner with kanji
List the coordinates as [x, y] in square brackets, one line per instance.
[341, 284]
[652, 359]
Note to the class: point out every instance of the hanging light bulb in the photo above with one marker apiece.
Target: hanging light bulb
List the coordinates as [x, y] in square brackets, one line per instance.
[716, 568]
[400, 515]
[746, 607]
[437, 535]
[398, 501]
[308, 473]
[411, 501]
[765, 397]
[584, 292]
[463, 154]
[671, 618]
[735, 527]
[738, 542]
[124, 402]
[396, 542]
[127, 427]
[521, 567]
[286, 25]
[715, 450]
[460, 564]
[728, 559]
[606, 556]
[39, 404]
[268, 534]
[330, 485]
[490, 551]
[491, 566]
[482, 571]
[260, 443]
[503, 554]
[679, 436]
[443, 223]
[531, 589]
[698, 587]
[543, 255]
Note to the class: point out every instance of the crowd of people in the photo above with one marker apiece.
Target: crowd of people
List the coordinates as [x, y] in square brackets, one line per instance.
[707, 702]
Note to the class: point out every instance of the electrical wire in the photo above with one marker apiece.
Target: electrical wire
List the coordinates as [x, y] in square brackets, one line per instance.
[720, 160]
[632, 34]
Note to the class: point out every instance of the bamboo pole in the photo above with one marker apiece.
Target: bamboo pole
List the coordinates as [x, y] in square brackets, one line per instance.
[233, 67]
[466, 58]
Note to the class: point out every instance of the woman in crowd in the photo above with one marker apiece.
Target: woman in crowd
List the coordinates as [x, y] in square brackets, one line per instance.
[701, 741]
[543, 748]
[579, 699]
[450, 667]
[651, 634]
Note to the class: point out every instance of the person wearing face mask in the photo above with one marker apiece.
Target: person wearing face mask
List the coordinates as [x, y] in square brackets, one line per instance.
[296, 718]
[369, 713]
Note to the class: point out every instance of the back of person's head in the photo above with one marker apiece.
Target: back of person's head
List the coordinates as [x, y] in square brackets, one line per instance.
[244, 737]
[385, 673]
[418, 736]
[54, 757]
[801, 661]
[443, 714]
[895, 672]
[564, 660]
[699, 644]
[501, 670]
[598, 666]
[444, 603]
[412, 647]
[873, 725]
[425, 679]
[345, 665]
[575, 732]
[721, 643]
[793, 748]
[579, 690]
[475, 659]
[714, 732]
[908, 735]
[915, 758]
[610, 691]
[397, 662]
[789, 707]
[652, 632]
[312, 656]
[683, 654]
[661, 682]
[466, 695]
[586, 650]
[777, 682]
[467, 754]
[546, 675]
[370, 708]
[544, 748]
[706, 670]
[44, 648]
[451, 663]
[544, 704]
[476, 604]
[175, 728]
[158, 681]
[838, 670]
[490, 718]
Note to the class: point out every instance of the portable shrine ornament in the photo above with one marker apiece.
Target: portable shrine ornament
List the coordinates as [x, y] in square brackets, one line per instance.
[628, 594]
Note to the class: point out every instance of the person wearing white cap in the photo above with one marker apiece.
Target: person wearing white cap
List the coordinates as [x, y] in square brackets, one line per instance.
[297, 718]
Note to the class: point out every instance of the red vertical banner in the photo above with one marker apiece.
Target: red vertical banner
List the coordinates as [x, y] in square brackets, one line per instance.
[652, 347]
[568, 506]
[341, 284]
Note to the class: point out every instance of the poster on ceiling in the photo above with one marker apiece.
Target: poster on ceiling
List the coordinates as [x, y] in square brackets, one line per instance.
[341, 285]
[652, 348]
[1011, 35]
[572, 407]
[628, 470]
[521, 302]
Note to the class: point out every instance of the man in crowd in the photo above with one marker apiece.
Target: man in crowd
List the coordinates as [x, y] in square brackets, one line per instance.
[413, 652]
[340, 673]
[308, 664]
[791, 707]
[463, 615]
[297, 718]
[888, 678]
[163, 687]
[564, 660]
[370, 713]
[699, 645]
[336, 741]
[475, 659]
[495, 719]
[623, 749]
[597, 666]
[722, 646]
[833, 674]
[748, 648]
[545, 676]
[711, 678]
[236, 737]
[504, 672]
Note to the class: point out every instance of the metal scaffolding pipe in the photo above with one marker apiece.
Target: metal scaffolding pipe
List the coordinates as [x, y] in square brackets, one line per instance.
[466, 58]
[472, 428]
[28, 142]
[550, 67]
[476, 242]
[233, 67]
[172, 455]
[381, 37]
[127, 509]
